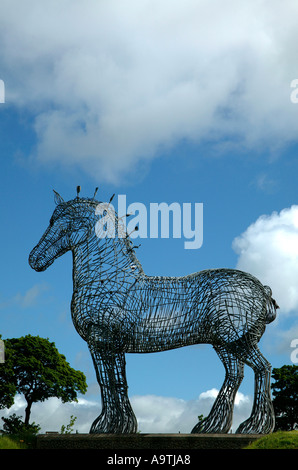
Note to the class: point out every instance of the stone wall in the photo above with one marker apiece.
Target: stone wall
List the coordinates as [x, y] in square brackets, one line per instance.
[144, 441]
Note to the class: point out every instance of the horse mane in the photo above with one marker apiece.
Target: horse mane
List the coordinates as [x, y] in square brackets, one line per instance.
[126, 241]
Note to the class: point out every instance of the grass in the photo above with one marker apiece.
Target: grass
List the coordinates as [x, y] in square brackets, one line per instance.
[7, 443]
[277, 440]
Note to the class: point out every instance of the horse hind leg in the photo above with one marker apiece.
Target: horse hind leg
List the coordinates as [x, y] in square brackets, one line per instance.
[220, 417]
[261, 420]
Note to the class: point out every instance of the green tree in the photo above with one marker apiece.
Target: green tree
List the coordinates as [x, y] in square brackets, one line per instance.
[7, 387]
[68, 429]
[285, 401]
[35, 368]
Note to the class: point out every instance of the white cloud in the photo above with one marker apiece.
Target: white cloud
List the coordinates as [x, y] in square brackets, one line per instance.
[112, 83]
[31, 295]
[27, 299]
[268, 249]
[52, 413]
[283, 341]
[155, 414]
[264, 183]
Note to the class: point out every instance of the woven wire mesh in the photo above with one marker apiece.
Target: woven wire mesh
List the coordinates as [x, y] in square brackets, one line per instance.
[118, 309]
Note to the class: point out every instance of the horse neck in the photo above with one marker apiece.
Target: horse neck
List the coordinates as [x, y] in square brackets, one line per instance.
[103, 260]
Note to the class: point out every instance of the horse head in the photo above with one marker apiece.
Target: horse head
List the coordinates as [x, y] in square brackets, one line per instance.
[70, 225]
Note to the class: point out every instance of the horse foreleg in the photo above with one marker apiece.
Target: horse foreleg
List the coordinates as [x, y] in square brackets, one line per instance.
[220, 417]
[117, 415]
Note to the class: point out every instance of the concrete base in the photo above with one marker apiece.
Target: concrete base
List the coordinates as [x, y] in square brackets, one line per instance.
[145, 441]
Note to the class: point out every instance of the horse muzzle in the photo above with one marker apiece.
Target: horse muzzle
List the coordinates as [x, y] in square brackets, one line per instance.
[36, 262]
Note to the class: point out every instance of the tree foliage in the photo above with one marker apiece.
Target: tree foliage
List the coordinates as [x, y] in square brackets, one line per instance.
[34, 368]
[69, 428]
[285, 401]
[14, 425]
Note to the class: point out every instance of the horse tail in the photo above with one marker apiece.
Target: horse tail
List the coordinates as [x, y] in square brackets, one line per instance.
[271, 306]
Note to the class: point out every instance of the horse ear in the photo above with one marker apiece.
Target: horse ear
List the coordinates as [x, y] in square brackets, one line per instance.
[57, 198]
[96, 189]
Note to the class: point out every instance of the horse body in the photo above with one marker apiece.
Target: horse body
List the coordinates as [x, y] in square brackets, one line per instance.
[118, 309]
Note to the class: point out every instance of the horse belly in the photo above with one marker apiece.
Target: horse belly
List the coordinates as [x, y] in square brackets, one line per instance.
[161, 334]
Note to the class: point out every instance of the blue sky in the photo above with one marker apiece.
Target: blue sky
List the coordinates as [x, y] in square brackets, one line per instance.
[163, 101]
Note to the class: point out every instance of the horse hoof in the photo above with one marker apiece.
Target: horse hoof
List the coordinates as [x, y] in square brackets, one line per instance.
[103, 426]
[251, 427]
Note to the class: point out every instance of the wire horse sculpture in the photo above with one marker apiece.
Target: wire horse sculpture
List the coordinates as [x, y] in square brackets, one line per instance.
[117, 309]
